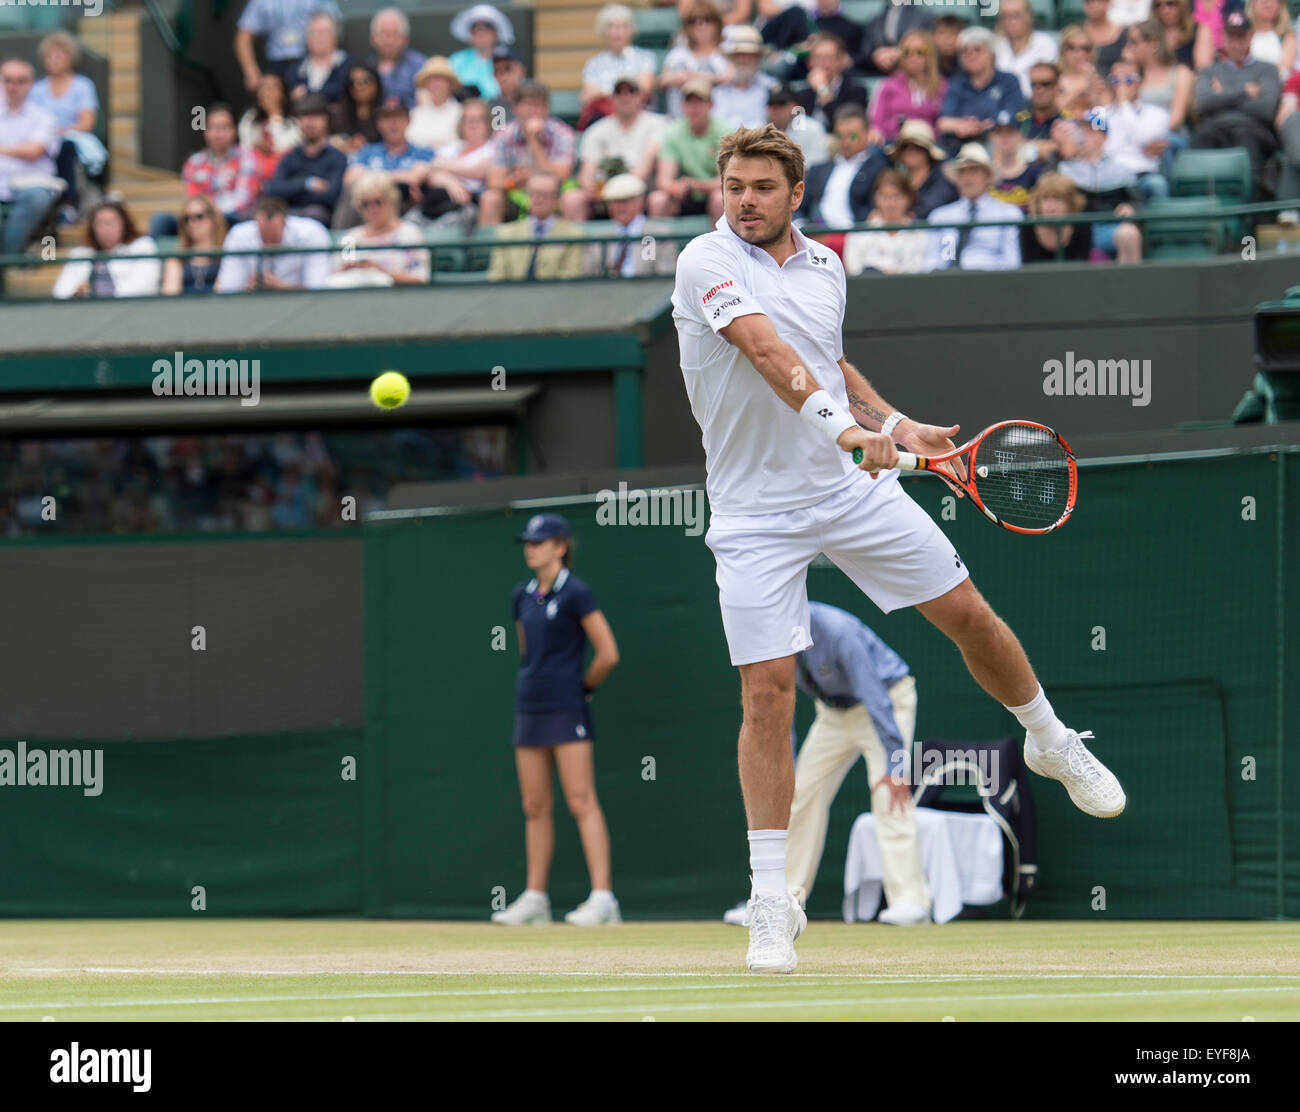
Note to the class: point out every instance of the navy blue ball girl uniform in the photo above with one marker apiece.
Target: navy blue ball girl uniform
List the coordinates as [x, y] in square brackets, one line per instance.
[550, 704]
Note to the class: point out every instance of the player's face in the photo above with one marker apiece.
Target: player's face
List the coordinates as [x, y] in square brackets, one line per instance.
[758, 200]
[541, 554]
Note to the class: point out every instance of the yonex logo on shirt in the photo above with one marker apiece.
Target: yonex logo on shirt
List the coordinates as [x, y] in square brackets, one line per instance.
[717, 312]
[720, 286]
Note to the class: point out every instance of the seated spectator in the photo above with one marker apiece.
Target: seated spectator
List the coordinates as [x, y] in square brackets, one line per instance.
[535, 141]
[1274, 39]
[1237, 98]
[797, 125]
[508, 69]
[1137, 132]
[1019, 47]
[921, 157]
[686, 178]
[1055, 195]
[325, 67]
[1165, 83]
[1013, 177]
[406, 165]
[451, 190]
[353, 122]
[485, 29]
[1177, 27]
[203, 228]
[392, 57]
[733, 11]
[539, 260]
[791, 29]
[71, 99]
[376, 197]
[946, 31]
[698, 56]
[914, 91]
[977, 94]
[310, 177]
[1081, 86]
[284, 23]
[978, 248]
[222, 170]
[29, 142]
[1037, 121]
[110, 230]
[273, 226]
[616, 24]
[626, 142]
[435, 119]
[1106, 186]
[640, 252]
[840, 193]
[1108, 39]
[268, 129]
[742, 100]
[830, 87]
[879, 53]
[897, 252]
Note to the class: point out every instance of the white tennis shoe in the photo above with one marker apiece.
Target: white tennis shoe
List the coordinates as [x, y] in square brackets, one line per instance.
[530, 909]
[737, 916]
[775, 921]
[595, 911]
[1092, 786]
[905, 915]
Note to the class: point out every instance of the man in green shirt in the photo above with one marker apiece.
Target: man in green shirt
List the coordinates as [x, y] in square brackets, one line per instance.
[686, 180]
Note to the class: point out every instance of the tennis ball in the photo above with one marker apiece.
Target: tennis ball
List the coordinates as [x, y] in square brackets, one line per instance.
[390, 390]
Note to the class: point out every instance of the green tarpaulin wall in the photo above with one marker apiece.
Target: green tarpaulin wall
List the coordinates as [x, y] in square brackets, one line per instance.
[1186, 566]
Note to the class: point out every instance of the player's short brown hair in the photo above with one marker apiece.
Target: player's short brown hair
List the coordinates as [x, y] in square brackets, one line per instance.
[768, 141]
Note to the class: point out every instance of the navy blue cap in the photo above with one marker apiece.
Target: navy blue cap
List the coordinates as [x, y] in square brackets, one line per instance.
[542, 527]
[1006, 119]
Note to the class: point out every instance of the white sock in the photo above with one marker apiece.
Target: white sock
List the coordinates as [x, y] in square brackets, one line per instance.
[767, 861]
[1046, 731]
[601, 894]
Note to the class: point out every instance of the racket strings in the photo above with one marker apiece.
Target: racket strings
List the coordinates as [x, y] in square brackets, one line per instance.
[1029, 479]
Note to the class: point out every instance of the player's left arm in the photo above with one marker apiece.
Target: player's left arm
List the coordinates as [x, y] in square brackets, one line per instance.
[871, 409]
[602, 641]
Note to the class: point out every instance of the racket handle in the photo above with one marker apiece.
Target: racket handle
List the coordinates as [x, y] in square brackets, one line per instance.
[906, 461]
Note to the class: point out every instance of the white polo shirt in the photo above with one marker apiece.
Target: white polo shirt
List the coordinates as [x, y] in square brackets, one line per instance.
[760, 455]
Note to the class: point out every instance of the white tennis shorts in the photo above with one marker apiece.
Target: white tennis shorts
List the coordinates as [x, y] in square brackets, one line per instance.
[875, 534]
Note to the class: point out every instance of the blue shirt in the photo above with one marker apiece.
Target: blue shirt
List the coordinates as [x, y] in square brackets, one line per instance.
[1002, 94]
[65, 109]
[284, 23]
[849, 666]
[473, 69]
[376, 156]
[400, 81]
[550, 673]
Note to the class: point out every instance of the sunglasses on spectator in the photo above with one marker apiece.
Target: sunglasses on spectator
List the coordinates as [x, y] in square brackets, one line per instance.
[1125, 79]
[481, 24]
[1043, 84]
[916, 52]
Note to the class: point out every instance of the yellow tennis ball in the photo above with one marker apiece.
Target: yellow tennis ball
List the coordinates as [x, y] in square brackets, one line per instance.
[390, 390]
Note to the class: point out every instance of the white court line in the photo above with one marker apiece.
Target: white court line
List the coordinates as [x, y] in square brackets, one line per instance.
[304, 999]
[901, 978]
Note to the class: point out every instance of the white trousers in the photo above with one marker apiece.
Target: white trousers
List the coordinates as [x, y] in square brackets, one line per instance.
[835, 741]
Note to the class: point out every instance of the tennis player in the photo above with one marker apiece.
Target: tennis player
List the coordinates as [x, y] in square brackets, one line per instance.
[759, 310]
[555, 617]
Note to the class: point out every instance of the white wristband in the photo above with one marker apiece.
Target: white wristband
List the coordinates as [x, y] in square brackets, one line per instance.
[891, 422]
[820, 411]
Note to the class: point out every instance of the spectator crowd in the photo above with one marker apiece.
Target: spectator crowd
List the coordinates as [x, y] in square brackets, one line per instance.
[913, 120]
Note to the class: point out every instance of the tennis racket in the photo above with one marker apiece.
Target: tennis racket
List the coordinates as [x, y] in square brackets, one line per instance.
[1021, 474]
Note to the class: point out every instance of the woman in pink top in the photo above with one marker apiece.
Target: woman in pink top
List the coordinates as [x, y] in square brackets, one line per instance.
[1208, 15]
[914, 91]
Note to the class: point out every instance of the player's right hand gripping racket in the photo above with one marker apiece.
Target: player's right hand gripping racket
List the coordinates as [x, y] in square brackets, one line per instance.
[1021, 474]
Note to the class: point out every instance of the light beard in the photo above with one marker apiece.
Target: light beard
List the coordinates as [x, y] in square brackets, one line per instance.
[769, 241]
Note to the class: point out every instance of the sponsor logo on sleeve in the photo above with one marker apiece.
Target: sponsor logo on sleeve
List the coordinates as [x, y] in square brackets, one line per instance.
[716, 289]
[731, 303]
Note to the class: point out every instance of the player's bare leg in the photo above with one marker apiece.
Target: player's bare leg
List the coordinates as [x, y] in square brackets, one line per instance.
[767, 783]
[998, 664]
